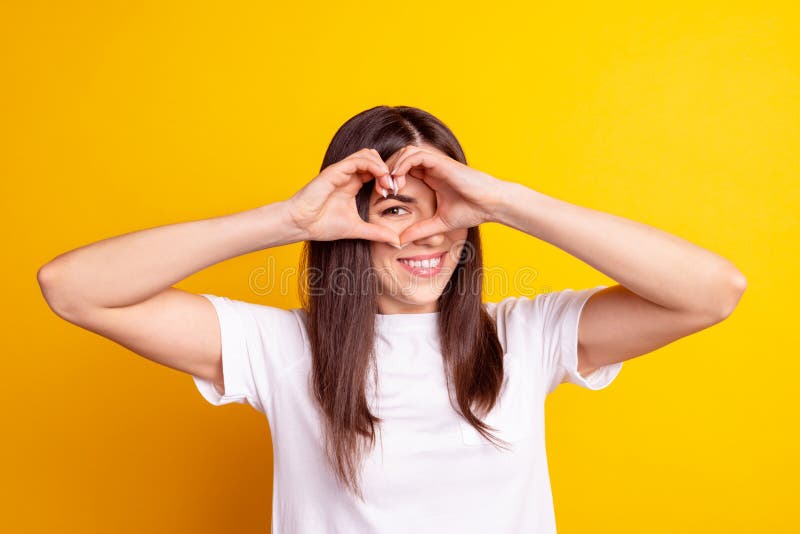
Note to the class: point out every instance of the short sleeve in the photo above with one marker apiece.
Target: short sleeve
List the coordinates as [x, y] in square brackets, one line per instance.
[258, 341]
[544, 328]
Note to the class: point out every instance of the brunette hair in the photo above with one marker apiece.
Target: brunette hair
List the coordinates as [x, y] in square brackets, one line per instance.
[341, 324]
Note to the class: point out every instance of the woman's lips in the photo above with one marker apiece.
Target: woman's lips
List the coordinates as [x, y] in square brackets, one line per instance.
[422, 256]
[424, 271]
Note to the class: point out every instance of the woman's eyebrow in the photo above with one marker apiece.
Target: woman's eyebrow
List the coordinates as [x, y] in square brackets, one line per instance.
[401, 198]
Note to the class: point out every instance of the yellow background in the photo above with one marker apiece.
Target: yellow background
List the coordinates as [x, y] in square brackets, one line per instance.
[121, 116]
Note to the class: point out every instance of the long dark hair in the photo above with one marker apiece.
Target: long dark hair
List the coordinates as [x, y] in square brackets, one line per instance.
[341, 320]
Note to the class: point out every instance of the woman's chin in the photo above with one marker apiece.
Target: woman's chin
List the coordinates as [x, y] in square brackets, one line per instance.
[417, 298]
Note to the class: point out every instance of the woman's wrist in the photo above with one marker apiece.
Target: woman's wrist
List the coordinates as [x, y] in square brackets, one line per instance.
[278, 225]
[520, 207]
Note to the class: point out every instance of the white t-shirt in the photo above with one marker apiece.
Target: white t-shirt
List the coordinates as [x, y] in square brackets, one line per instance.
[435, 473]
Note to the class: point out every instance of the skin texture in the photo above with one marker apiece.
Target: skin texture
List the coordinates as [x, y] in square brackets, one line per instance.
[401, 291]
[121, 287]
[668, 287]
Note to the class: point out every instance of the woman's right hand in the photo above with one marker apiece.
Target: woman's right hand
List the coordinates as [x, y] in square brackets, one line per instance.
[325, 208]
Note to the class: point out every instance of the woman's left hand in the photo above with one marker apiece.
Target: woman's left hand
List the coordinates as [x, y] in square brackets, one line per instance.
[465, 197]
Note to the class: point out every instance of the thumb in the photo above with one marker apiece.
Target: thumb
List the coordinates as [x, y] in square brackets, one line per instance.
[374, 232]
[421, 229]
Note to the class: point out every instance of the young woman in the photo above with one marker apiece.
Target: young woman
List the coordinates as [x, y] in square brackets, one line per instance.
[398, 400]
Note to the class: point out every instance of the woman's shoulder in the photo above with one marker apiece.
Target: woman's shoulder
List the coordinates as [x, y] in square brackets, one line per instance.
[546, 305]
[281, 326]
[261, 311]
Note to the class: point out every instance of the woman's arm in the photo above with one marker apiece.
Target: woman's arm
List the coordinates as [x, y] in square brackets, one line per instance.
[658, 266]
[121, 289]
[127, 269]
[668, 287]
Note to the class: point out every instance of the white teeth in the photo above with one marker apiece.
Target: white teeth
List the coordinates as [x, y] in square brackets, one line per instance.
[424, 264]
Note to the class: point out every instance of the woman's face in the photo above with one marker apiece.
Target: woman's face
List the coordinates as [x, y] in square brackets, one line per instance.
[411, 279]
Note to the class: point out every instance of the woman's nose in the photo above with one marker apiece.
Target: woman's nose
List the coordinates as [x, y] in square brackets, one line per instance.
[432, 240]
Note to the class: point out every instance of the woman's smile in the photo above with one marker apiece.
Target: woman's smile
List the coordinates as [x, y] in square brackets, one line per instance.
[424, 265]
[412, 279]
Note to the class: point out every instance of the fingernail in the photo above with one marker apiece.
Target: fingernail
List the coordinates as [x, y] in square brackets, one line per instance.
[394, 184]
[383, 192]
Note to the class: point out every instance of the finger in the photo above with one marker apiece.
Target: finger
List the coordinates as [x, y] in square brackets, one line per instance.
[400, 181]
[416, 158]
[375, 232]
[370, 155]
[363, 168]
[397, 156]
[419, 230]
[382, 180]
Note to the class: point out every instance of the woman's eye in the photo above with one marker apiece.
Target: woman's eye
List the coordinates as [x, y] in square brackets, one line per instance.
[387, 210]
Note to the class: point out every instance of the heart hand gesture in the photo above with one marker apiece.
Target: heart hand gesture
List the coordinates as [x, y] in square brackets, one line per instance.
[465, 197]
[325, 208]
